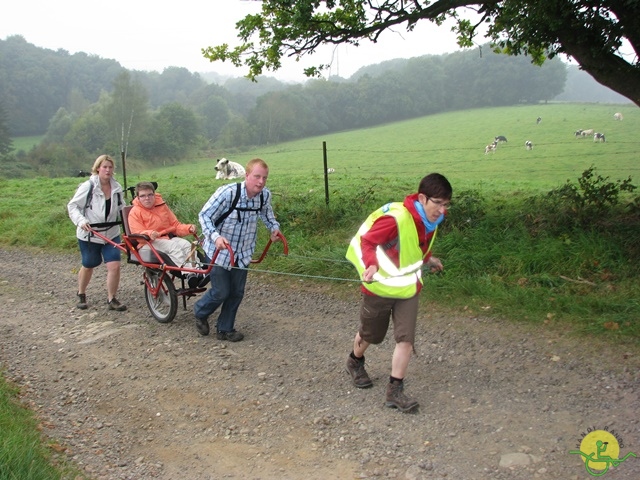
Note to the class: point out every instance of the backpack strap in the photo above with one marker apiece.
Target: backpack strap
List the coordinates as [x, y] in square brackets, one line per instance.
[104, 225]
[234, 202]
[234, 206]
[89, 197]
[241, 209]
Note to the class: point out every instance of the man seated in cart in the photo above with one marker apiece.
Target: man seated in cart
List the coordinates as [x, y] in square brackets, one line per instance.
[151, 216]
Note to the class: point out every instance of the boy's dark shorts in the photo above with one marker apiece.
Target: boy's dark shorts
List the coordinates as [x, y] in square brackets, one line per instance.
[376, 312]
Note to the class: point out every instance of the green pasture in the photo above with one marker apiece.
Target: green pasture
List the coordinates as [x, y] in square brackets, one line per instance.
[509, 249]
[26, 143]
[453, 143]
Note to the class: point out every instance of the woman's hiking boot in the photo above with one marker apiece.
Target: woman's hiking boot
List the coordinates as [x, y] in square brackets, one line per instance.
[114, 304]
[358, 374]
[397, 399]
[82, 301]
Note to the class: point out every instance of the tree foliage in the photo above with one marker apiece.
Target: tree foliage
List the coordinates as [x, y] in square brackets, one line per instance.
[127, 112]
[173, 130]
[6, 144]
[591, 32]
[36, 82]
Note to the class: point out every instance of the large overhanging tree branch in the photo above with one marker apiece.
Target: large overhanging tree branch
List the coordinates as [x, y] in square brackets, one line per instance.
[592, 32]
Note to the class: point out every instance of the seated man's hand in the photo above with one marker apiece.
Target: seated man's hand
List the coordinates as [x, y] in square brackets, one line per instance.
[153, 235]
[192, 229]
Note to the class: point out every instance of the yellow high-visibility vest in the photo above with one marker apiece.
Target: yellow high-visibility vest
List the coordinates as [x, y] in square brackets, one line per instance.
[392, 281]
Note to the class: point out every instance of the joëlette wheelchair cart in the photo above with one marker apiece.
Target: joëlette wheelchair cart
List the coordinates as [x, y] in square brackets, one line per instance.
[160, 273]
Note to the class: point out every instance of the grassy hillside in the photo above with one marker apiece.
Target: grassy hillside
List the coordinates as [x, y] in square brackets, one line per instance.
[509, 248]
[26, 143]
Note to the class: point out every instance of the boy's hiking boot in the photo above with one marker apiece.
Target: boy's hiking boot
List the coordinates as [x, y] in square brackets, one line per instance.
[358, 373]
[82, 301]
[114, 304]
[397, 399]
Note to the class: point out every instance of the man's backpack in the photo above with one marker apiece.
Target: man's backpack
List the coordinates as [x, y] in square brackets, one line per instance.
[234, 206]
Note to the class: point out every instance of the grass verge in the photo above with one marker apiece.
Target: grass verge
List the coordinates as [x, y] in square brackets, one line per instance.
[24, 453]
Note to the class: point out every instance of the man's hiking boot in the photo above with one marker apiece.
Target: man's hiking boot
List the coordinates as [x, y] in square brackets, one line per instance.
[202, 325]
[114, 304]
[231, 336]
[358, 373]
[397, 399]
[82, 301]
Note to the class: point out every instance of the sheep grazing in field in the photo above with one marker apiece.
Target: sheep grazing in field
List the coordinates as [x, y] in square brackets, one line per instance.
[598, 137]
[538, 120]
[500, 138]
[227, 170]
[528, 145]
[618, 116]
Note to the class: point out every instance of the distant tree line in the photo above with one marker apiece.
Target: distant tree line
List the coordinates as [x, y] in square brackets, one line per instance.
[86, 105]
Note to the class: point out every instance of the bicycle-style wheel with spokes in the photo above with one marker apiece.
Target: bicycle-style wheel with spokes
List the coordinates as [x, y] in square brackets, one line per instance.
[160, 294]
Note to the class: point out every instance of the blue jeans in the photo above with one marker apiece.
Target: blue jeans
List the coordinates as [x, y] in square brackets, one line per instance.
[227, 289]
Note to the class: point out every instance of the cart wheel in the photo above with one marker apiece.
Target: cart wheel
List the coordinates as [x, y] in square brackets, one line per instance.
[165, 305]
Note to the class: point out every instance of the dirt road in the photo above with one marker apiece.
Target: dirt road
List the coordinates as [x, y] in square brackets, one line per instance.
[129, 398]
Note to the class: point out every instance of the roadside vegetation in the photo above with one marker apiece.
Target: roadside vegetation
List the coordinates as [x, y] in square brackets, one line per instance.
[23, 454]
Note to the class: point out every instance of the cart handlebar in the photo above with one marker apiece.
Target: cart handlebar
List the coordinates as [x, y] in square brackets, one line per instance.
[285, 247]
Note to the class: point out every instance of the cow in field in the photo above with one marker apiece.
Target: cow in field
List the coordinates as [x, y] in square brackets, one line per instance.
[578, 133]
[82, 173]
[331, 170]
[491, 148]
[538, 120]
[500, 138]
[227, 170]
[587, 133]
[617, 116]
[528, 145]
[598, 137]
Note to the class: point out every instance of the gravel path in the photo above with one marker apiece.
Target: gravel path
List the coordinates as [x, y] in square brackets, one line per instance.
[129, 398]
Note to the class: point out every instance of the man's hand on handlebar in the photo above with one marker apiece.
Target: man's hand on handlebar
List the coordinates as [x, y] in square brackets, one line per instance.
[222, 243]
[276, 236]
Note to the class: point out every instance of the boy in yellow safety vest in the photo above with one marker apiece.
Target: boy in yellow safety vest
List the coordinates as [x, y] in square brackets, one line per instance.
[389, 251]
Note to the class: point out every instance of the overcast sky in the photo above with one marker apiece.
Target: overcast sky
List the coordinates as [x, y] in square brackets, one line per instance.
[152, 35]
